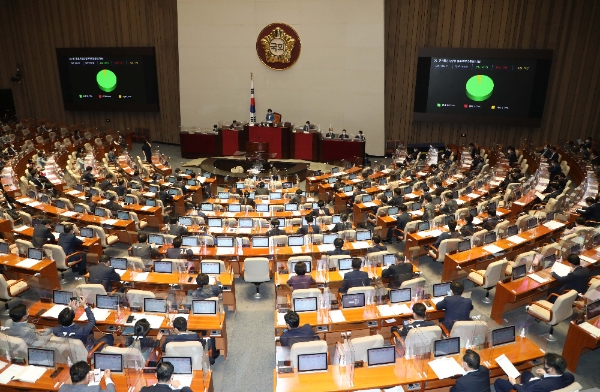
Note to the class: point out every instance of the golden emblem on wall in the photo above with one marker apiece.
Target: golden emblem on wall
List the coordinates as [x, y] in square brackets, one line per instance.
[278, 46]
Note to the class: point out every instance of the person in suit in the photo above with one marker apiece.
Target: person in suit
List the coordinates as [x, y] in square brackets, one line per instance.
[450, 205]
[295, 333]
[472, 150]
[343, 224]
[102, 273]
[401, 220]
[81, 376]
[106, 184]
[143, 249]
[83, 332]
[309, 226]
[166, 383]
[417, 321]
[330, 134]
[113, 206]
[359, 191]
[492, 221]
[245, 201]
[18, 327]
[476, 377]
[553, 376]
[176, 252]
[344, 135]
[553, 193]
[399, 272]
[469, 228]
[140, 339]
[511, 155]
[554, 169]
[42, 234]
[452, 233]
[297, 197]
[306, 127]
[69, 242]
[397, 198]
[322, 210]
[275, 230]
[359, 136]
[377, 245]
[576, 280]
[592, 211]
[87, 177]
[356, 277]
[588, 142]
[338, 243]
[545, 152]
[457, 308]
[175, 228]
[428, 209]
[121, 188]
[147, 150]
[205, 290]
[300, 280]
[179, 333]
[261, 190]
[112, 155]
[269, 118]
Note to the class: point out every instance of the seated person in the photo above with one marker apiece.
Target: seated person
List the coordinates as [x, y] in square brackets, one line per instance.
[401, 220]
[301, 280]
[343, 224]
[592, 211]
[297, 197]
[356, 277]
[179, 333]
[69, 242]
[579, 223]
[106, 184]
[377, 245]
[102, 273]
[87, 177]
[113, 206]
[275, 230]
[83, 332]
[294, 333]
[450, 205]
[552, 377]
[261, 190]
[359, 136]
[476, 377]
[399, 272]
[576, 280]
[18, 327]
[309, 226]
[338, 243]
[164, 376]
[322, 210]
[452, 233]
[205, 290]
[419, 310]
[344, 135]
[140, 339]
[492, 221]
[457, 308]
[330, 134]
[469, 228]
[176, 252]
[42, 234]
[143, 249]
[82, 376]
[175, 228]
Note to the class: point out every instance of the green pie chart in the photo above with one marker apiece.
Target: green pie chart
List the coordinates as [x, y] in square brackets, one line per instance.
[107, 80]
[480, 87]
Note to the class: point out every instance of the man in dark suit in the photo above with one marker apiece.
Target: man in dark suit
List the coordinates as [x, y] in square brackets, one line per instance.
[180, 334]
[450, 205]
[166, 383]
[398, 272]
[106, 184]
[511, 156]
[87, 177]
[397, 199]
[175, 228]
[83, 332]
[576, 280]
[42, 234]
[343, 224]
[113, 206]
[275, 230]
[344, 135]
[297, 198]
[492, 221]
[330, 134]
[551, 377]
[554, 192]
[457, 308]
[401, 220]
[18, 326]
[472, 150]
[121, 188]
[417, 321]
[261, 190]
[428, 209]
[102, 273]
[356, 277]
[322, 210]
[143, 249]
[81, 377]
[554, 169]
[295, 333]
[338, 243]
[476, 377]
[69, 242]
[377, 245]
[309, 226]
[469, 228]
[176, 252]
[447, 234]
[592, 211]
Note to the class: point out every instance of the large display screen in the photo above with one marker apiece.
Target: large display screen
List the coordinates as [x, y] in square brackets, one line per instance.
[482, 86]
[108, 78]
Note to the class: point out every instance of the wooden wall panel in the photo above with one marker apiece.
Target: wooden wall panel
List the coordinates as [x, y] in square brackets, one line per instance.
[31, 30]
[568, 27]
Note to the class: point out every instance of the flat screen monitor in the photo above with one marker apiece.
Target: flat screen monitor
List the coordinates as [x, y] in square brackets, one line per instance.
[86, 232]
[181, 365]
[153, 188]
[156, 239]
[441, 289]
[163, 267]
[532, 223]
[94, 192]
[512, 230]
[4, 248]
[225, 242]
[150, 203]
[575, 249]
[348, 188]
[211, 268]
[335, 170]
[549, 216]
[444, 347]
[592, 310]
[468, 190]
[61, 297]
[191, 183]
[388, 194]
[519, 272]
[260, 242]
[306, 263]
[549, 261]
[206, 207]
[223, 195]
[172, 179]
[312, 362]
[205, 306]
[235, 208]
[367, 198]
[596, 240]
[60, 204]
[464, 245]
[336, 219]
[388, 260]
[129, 200]
[59, 228]
[123, 215]
[185, 220]
[100, 212]
[286, 184]
[35, 253]
[381, 356]
[491, 206]
[503, 335]
[329, 238]
[353, 300]
[423, 226]
[489, 238]
[275, 195]
[473, 212]
[400, 295]
[107, 301]
[296, 240]
[331, 180]
[306, 304]
[239, 185]
[215, 222]
[363, 235]
[262, 207]
[118, 263]
[392, 211]
[173, 191]
[79, 187]
[246, 223]
[40, 357]
[155, 305]
[112, 362]
[345, 264]
[189, 241]
[416, 206]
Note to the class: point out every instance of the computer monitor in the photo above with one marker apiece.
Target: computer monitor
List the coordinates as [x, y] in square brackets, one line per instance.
[363, 235]
[193, 183]
[331, 180]
[575, 249]
[464, 245]
[444, 347]
[185, 220]
[503, 335]
[468, 190]
[436, 200]
[206, 207]
[592, 310]
[353, 300]
[86, 232]
[388, 260]
[473, 212]
[59, 228]
[348, 188]
[153, 188]
[112, 362]
[287, 185]
[62, 297]
[260, 242]
[329, 238]
[150, 203]
[367, 198]
[4, 248]
[173, 191]
[392, 211]
[261, 207]
[118, 263]
[239, 185]
[247, 223]
[441, 289]
[211, 268]
[336, 219]
[235, 208]
[107, 301]
[381, 356]
[388, 194]
[416, 206]
[400, 295]
[60, 204]
[215, 222]
[489, 238]
[352, 176]
[156, 239]
[492, 206]
[79, 187]
[93, 192]
[455, 194]
[223, 195]
[98, 211]
[512, 230]
[189, 241]
[549, 216]
[225, 242]
[335, 170]
[423, 226]
[275, 195]
[306, 263]
[204, 306]
[306, 304]
[312, 362]
[291, 207]
[123, 215]
[40, 357]
[596, 240]
[345, 264]
[519, 271]
[163, 267]
[129, 200]
[383, 181]
[532, 223]
[549, 260]
[296, 240]
[172, 179]
[35, 253]
[155, 305]
[181, 365]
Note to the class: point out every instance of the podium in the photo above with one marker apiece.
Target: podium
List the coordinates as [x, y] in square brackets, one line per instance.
[305, 145]
[278, 139]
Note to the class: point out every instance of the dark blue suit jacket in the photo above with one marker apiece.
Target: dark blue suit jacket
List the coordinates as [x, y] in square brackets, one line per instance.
[77, 331]
[304, 333]
[457, 309]
[546, 384]
[575, 280]
[355, 279]
[477, 381]
[69, 242]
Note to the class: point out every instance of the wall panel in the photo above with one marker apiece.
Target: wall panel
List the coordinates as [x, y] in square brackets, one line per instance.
[567, 27]
[31, 30]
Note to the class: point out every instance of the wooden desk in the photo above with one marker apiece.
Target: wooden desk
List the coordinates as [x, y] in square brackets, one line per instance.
[46, 268]
[90, 245]
[404, 372]
[578, 339]
[524, 203]
[200, 144]
[360, 211]
[312, 182]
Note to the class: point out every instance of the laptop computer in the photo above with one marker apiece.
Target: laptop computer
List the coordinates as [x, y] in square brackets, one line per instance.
[363, 235]
[445, 347]
[519, 272]
[60, 204]
[548, 261]
[400, 295]
[62, 297]
[129, 200]
[423, 226]
[40, 357]
[210, 268]
[163, 267]
[173, 191]
[306, 304]
[112, 362]
[100, 212]
[489, 238]
[441, 290]
[532, 223]
[156, 239]
[260, 242]
[223, 195]
[150, 203]
[204, 306]
[35, 253]
[345, 264]
[189, 241]
[503, 335]
[86, 232]
[118, 263]
[153, 188]
[353, 300]
[185, 221]
[464, 245]
[296, 240]
[575, 249]
[4, 248]
[155, 305]
[367, 198]
[512, 230]
[225, 242]
[392, 211]
[381, 356]
[336, 219]
[107, 301]
[275, 195]
[388, 260]
[123, 215]
[312, 362]
[293, 266]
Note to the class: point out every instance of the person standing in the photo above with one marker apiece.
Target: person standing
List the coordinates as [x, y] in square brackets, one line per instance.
[147, 150]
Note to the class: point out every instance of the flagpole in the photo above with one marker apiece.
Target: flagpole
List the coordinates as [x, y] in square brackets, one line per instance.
[252, 103]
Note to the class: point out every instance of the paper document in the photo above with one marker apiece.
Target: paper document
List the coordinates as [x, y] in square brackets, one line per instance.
[154, 320]
[493, 248]
[325, 247]
[184, 380]
[296, 249]
[518, 203]
[561, 269]
[23, 200]
[225, 251]
[69, 213]
[540, 188]
[507, 366]
[28, 374]
[473, 195]
[460, 202]
[109, 222]
[385, 311]
[103, 201]
[515, 239]
[494, 183]
[146, 208]
[73, 192]
[369, 204]
[120, 271]
[538, 278]
[410, 196]
[27, 263]
[477, 221]
[337, 316]
[540, 196]
[553, 225]
[54, 311]
[435, 300]
[99, 314]
[360, 245]
[587, 259]
[592, 329]
[397, 388]
[401, 309]
[21, 228]
[34, 204]
[446, 367]
[416, 213]
[280, 318]
[141, 276]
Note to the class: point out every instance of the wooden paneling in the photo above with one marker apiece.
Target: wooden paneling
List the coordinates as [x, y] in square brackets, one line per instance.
[570, 28]
[31, 30]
